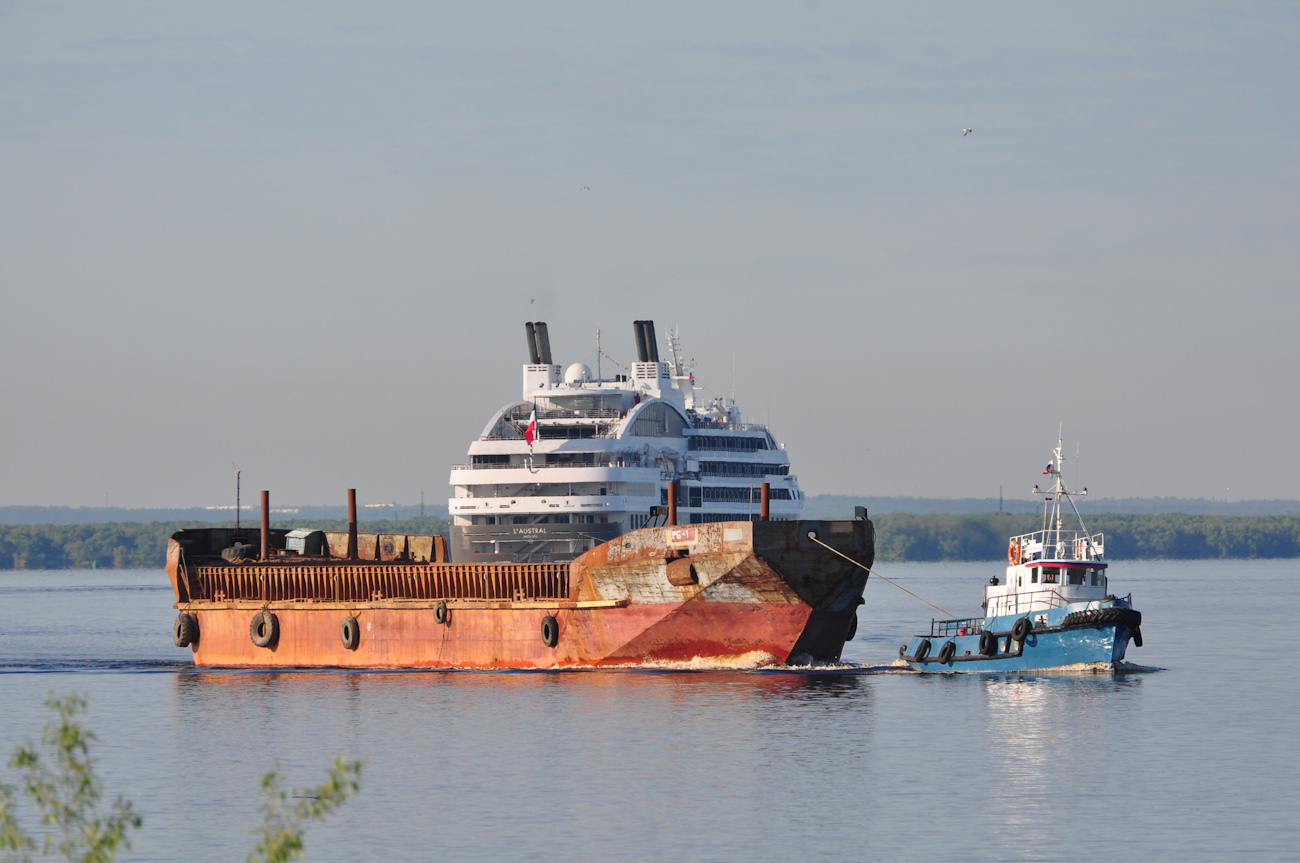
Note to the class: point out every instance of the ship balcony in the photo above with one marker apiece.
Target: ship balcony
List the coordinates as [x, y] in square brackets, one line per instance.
[524, 505]
[1063, 545]
[565, 472]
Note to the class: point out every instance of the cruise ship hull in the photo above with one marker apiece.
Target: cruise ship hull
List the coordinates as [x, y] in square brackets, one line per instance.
[727, 593]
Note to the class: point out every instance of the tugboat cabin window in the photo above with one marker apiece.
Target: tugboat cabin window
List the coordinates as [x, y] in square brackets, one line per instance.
[1051, 574]
[1095, 573]
[1033, 576]
[1077, 575]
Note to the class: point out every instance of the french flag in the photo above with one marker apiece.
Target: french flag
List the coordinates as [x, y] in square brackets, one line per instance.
[530, 433]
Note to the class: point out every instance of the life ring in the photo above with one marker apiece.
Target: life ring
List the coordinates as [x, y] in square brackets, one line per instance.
[1021, 630]
[988, 643]
[550, 631]
[187, 630]
[265, 629]
[1013, 553]
[853, 627]
[440, 613]
[946, 652]
[922, 650]
[350, 632]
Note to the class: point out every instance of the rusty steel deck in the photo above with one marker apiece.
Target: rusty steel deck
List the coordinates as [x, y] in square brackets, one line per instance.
[710, 591]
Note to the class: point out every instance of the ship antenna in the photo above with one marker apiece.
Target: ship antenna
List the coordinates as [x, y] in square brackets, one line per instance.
[232, 464]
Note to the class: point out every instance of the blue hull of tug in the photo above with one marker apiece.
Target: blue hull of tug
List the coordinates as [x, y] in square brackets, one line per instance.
[1046, 647]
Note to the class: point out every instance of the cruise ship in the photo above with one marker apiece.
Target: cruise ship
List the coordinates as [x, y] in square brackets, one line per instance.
[581, 458]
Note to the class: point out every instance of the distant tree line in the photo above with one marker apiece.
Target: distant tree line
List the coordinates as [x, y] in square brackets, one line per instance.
[984, 536]
[133, 545]
[899, 537]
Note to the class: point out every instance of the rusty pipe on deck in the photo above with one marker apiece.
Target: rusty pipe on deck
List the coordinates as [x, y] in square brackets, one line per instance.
[266, 525]
[672, 503]
[352, 524]
[764, 502]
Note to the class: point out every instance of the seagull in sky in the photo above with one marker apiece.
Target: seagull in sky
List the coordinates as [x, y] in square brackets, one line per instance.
[965, 132]
[585, 189]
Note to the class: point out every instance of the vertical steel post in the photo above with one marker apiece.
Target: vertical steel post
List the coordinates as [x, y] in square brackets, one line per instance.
[764, 497]
[352, 524]
[672, 503]
[266, 525]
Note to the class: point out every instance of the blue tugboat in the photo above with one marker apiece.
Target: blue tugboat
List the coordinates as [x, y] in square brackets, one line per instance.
[1054, 610]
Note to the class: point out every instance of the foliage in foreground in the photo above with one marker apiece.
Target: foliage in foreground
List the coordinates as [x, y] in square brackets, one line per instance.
[284, 822]
[66, 793]
[74, 827]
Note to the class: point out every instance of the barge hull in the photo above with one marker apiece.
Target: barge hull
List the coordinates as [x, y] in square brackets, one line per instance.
[751, 592]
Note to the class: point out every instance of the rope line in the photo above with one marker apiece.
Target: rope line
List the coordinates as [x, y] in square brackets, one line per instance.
[814, 538]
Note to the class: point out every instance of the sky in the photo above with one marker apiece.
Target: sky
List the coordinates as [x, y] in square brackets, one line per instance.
[303, 238]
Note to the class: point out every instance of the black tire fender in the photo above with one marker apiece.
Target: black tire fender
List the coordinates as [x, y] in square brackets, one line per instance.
[988, 643]
[186, 631]
[440, 613]
[946, 652]
[350, 633]
[550, 631]
[922, 650]
[1021, 630]
[265, 629]
[1137, 636]
[853, 627]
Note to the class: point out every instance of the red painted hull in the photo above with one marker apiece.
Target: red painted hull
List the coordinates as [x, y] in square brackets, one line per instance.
[717, 597]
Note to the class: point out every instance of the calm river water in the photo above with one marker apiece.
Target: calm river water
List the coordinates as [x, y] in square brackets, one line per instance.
[1197, 760]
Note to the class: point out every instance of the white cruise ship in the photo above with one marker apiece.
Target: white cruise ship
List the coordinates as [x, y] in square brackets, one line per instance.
[581, 459]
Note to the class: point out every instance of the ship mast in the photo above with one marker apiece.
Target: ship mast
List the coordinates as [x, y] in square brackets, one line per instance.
[1052, 497]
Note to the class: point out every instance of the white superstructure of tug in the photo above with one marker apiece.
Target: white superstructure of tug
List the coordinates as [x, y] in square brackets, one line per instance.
[1052, 567]
[604, 453]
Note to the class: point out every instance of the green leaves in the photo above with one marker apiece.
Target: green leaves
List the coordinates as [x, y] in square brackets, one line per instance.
[66, 794]
[286, 815]
[60, 782]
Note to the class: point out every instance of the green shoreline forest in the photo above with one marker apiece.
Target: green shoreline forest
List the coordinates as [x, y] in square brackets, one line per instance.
[899, 537]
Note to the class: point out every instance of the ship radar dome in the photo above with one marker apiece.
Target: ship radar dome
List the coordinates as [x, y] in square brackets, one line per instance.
[577, 373]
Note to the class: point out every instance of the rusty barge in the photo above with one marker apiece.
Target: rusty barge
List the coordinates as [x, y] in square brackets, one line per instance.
[758, 591]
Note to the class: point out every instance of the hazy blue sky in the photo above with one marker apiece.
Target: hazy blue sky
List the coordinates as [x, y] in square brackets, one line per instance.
[305, 237]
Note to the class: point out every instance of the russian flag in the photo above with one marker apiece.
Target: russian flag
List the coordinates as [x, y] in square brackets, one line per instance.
[530, 433]
[1048, 469]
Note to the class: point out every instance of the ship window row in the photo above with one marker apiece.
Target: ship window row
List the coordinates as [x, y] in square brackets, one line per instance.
[727, 442]
[542, 519]
[711, 517]
[696, 495]
[1076, 575]
[747, 469]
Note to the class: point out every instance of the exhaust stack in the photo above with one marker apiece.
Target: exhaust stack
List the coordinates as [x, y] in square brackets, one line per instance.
[543, 339]
[651, 346]
[266, 525]
[352, 523]
[531, 335]
[638, 327]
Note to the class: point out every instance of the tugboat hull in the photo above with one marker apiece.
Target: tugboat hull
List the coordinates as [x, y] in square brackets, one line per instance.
[1065, 639]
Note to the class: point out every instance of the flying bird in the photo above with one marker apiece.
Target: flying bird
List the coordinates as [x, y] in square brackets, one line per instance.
[965, 132]
[585, 189]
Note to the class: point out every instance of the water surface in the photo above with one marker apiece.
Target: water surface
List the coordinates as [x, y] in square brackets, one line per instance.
[1196, 761]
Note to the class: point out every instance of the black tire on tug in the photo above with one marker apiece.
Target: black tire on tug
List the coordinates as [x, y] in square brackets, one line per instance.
[350, 632]
[853, 627]
[1137, 636]
[187, 630]
[550, 631]
[440, 614]
[922, 650]
[988, 643]
[946, 652]
[265, 629]
[1021, 630]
